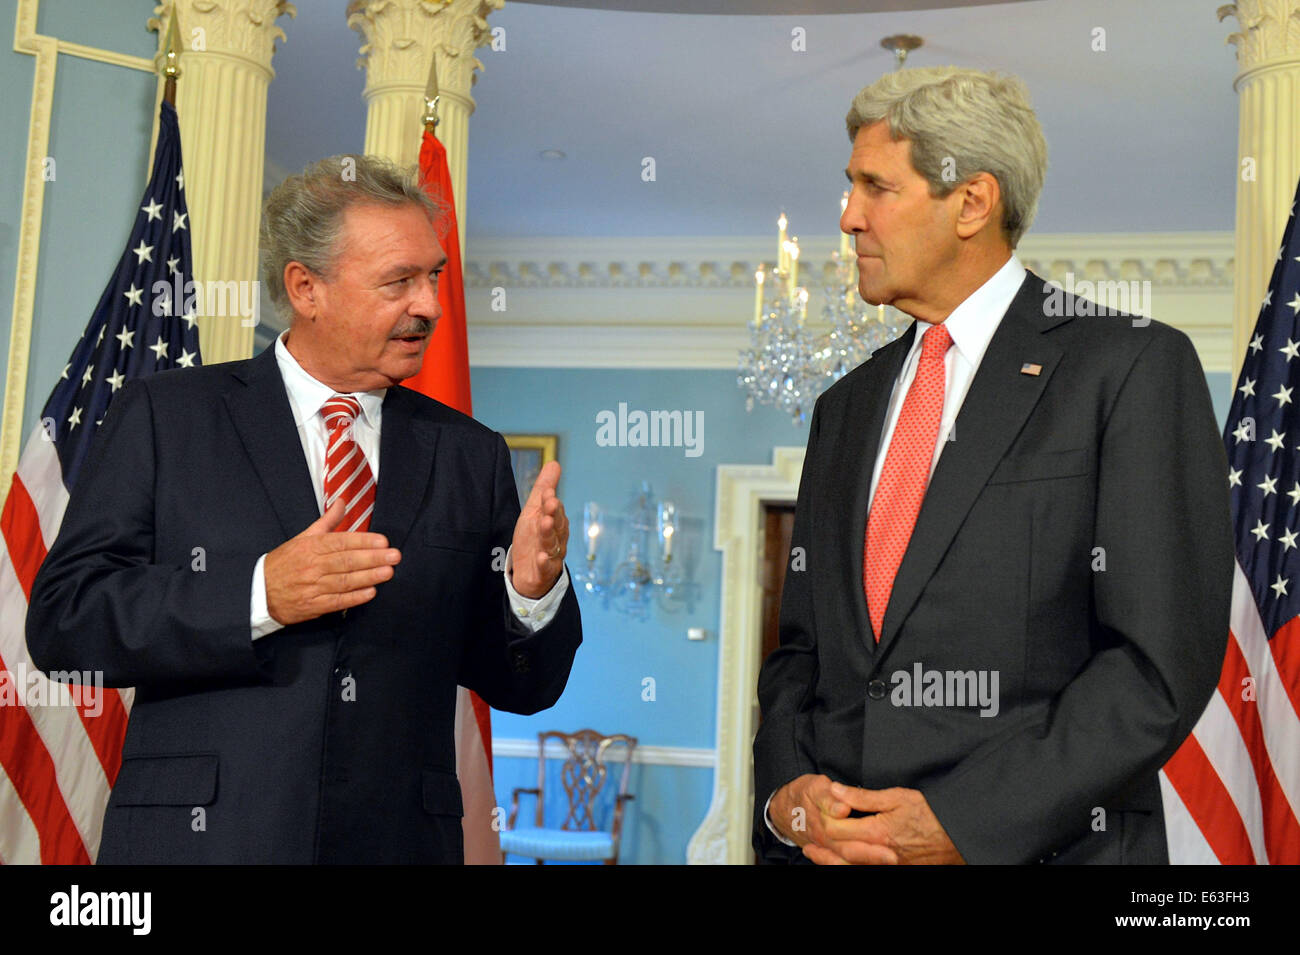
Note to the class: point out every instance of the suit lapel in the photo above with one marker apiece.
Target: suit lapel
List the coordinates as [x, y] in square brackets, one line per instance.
[264, 422]
[999, 401]
[407, 443]
[857, 445]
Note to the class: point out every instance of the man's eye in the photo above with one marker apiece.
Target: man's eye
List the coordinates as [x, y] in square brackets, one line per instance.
[402, 281]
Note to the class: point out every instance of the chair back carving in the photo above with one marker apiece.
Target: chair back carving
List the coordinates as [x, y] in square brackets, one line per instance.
[584, 773]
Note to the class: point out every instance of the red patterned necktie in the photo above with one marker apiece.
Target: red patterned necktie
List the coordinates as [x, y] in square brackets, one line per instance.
[897, 501]
[347, 472]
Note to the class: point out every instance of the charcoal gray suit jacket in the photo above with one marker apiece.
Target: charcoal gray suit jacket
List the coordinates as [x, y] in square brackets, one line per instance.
[1075, 539]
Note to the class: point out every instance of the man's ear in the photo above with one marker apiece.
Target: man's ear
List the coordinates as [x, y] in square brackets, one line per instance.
[301, 287]
[981, 205]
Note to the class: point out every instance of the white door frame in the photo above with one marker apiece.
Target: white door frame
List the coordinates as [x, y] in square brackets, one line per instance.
[742, 490]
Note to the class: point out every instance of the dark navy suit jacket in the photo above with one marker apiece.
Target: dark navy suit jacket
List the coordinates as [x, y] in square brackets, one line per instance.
[330, 740]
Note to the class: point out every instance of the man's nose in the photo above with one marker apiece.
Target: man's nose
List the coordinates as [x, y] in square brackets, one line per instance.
[426, 304]
[851, 221]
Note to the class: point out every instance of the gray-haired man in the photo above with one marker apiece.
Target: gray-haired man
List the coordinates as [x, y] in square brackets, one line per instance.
[1016, 529]
[295, 692]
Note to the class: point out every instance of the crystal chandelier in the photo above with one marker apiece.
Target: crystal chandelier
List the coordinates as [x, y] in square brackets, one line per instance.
[788, 364]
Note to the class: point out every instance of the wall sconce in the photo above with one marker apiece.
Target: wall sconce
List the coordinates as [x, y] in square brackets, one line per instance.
[647, 572]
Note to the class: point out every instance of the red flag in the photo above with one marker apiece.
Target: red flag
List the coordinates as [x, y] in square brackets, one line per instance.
[444, 376]
[445, 373]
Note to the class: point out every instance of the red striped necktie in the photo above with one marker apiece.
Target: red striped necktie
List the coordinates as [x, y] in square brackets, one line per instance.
[347, 472]
[903, 480]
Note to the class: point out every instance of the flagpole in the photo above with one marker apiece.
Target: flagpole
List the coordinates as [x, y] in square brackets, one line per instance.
[431, 96]
[172, 70]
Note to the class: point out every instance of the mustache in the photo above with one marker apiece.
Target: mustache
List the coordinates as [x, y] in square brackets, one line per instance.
[420, 326]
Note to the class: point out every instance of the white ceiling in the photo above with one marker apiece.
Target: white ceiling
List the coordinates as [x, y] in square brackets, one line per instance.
[1141, 137]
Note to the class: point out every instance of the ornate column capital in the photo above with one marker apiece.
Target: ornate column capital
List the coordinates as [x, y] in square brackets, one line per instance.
[225, 61]
[1269, 31]
[244, 29]
[400, 36]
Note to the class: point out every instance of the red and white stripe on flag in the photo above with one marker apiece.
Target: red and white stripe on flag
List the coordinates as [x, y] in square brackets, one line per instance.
[57, 759]
[1232, 791]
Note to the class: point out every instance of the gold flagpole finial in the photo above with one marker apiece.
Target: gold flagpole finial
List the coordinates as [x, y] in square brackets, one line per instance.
[172, 69]
[431, 96]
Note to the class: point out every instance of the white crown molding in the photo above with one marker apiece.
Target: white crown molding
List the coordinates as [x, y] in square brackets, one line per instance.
[683, 302]
[651, 755]
[1192, 259]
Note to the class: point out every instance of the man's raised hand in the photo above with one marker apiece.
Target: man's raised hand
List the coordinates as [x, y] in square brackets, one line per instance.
[541, 538]
[321, 570]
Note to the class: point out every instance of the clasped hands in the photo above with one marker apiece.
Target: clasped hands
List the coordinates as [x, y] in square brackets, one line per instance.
[321, 571]
[814, 812]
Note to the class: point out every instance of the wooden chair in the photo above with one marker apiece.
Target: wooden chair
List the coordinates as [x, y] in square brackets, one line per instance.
[584, 774]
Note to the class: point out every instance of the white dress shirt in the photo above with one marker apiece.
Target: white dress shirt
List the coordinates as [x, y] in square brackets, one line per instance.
[971, 325]
[306, 397]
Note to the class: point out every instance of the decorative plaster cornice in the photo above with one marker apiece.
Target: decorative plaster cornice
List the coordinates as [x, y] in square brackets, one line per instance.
[683, 302]
[1190, 260]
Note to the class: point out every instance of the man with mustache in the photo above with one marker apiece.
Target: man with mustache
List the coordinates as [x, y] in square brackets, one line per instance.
[295, 560]
[1018, 493]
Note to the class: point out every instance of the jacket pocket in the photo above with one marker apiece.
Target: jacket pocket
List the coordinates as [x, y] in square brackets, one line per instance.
[1041, 467]
[441, 794]
[178, 780]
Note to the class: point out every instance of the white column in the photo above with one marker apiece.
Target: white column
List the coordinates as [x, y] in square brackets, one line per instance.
[1268, 147]
[399, 40]
[225, 64]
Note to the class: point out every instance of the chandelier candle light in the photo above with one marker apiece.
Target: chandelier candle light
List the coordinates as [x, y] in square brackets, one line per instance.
[786, 365]
[642, 572]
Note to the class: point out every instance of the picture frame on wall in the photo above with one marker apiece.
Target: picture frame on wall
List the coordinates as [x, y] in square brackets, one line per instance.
[529, 453]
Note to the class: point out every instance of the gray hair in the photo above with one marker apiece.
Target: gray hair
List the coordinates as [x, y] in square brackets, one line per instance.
[973, 121]
[303, 216]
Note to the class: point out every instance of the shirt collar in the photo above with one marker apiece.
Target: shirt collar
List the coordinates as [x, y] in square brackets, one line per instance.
[307, 395]
[972, 323]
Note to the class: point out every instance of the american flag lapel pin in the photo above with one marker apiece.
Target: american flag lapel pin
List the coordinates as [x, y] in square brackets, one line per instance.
[1031, 368]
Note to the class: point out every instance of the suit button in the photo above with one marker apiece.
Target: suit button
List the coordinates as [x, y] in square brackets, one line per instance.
[520, 662]
[876, 689]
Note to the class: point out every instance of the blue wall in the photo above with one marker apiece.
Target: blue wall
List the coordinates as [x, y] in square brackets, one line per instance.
[605, 689]
[99, 139]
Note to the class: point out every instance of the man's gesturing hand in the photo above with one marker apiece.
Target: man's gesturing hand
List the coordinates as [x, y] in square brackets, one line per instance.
[321, 571]
[903, 831]
[541, 538]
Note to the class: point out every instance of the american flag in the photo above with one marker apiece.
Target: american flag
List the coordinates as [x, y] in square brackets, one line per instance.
[59, 750]
[1232, 791]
